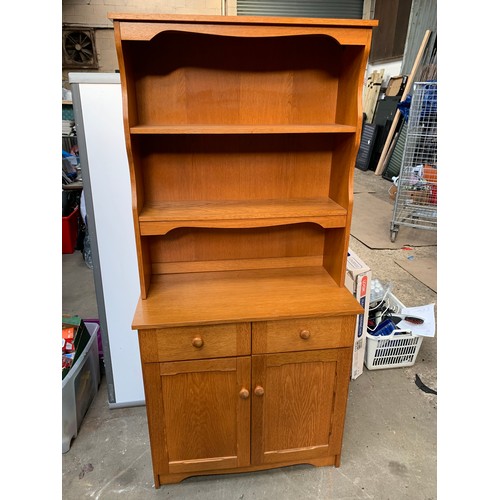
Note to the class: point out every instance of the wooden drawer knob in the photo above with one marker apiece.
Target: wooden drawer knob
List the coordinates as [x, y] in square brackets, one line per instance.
[244, 393]
[305, 334]
[197, 342]
[259, 391]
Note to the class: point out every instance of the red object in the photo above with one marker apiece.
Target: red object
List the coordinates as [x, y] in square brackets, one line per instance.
[68, 347]
[70, 231]
[364, 282]
[434, 190]
[67, 360]
[68, 333]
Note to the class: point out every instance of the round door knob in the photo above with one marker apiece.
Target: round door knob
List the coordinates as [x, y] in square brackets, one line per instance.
[259, 391]
[197, 342]
[244, 393]
[305, 334]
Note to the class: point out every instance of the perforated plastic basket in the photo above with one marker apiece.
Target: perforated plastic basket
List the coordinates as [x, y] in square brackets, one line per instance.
[398, 349]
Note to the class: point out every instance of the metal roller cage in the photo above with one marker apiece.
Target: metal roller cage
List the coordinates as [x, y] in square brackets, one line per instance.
[416, 199]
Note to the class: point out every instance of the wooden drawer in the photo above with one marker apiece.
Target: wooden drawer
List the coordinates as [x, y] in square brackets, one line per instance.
[302, 334]
[194, 342]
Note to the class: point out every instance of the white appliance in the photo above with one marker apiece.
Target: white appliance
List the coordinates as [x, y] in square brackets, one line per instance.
[97, 104]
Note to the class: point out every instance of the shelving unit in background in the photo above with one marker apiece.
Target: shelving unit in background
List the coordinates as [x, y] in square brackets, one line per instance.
[416, 198]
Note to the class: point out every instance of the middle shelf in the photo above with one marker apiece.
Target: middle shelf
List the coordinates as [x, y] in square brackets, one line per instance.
[158, 218]
[242, 129]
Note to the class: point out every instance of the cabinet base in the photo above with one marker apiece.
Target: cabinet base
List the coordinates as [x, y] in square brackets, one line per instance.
[161, 479]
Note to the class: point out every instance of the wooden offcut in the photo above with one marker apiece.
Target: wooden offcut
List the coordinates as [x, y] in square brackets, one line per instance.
[371, 92]
[387, 146]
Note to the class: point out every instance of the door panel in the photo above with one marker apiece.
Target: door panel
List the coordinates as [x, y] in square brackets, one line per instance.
[299, 408]
[206, 420]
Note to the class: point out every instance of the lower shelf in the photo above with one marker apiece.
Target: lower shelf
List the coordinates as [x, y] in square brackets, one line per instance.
[249, 295]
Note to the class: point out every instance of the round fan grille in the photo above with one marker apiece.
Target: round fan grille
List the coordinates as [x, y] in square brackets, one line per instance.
[79, 47]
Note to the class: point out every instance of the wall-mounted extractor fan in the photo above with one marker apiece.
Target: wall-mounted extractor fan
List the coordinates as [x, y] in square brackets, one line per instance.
[78, 49]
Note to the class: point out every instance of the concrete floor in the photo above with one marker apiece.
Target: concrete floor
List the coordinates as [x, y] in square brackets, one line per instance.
[389, 448]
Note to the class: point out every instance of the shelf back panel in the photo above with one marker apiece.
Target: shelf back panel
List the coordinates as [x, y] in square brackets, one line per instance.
[201, 249]
[211, 244]
[235, 167]
[192, 78]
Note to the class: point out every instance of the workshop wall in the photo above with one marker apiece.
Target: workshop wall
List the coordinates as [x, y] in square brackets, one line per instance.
[93, 15]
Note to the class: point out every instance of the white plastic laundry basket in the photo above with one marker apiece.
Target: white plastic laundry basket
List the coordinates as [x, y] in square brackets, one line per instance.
[398, 349]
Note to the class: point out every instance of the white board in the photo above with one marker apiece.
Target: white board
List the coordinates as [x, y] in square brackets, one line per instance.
[107, 193]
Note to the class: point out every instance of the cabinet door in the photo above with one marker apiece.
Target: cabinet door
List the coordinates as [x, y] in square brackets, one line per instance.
[298, 405]
[202, 419]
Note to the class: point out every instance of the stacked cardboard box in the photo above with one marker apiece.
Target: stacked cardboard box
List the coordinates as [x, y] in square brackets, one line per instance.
[358, 281]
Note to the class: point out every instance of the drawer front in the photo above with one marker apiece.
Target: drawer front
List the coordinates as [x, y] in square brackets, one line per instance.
[302, 334]
[194, 342]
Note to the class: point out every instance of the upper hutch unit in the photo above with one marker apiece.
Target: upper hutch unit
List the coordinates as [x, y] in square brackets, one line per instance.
[242, 135]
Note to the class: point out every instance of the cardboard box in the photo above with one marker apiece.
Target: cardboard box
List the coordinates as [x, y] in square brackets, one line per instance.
[396, 86]
[358, 282]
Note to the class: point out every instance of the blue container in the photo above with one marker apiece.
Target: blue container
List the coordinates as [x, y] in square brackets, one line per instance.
[383, 329]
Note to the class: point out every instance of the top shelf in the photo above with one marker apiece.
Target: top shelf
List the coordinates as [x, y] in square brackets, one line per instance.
[263, 84]
[242, 129]
[241, 20]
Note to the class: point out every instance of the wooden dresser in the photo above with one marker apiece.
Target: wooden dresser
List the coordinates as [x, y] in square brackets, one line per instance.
[242, 134]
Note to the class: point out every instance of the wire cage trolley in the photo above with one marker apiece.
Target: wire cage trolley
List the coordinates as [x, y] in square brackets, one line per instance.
[416, 198]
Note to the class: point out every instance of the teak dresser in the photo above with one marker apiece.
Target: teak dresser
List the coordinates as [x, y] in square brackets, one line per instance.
[242, 135]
